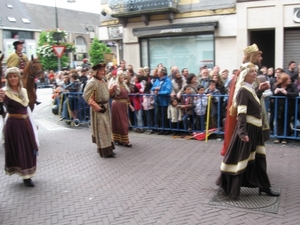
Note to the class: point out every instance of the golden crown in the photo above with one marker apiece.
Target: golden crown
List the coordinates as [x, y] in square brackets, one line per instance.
[251, 49]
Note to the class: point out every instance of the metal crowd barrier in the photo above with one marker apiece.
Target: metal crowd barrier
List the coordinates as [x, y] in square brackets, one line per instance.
[158, 116]
[72, 108]
[279, 109]
[291, 126]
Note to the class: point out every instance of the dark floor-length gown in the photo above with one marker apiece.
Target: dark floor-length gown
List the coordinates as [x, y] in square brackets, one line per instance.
[20, 144]
[245, 162]
[120, 120]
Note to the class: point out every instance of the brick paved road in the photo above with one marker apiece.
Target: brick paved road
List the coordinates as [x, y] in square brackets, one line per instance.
[159, 181]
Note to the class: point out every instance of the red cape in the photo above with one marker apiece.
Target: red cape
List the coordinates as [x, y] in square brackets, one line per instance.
[230, 121]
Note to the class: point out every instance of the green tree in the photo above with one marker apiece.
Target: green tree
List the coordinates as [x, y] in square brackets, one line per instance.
[46, 54]
[97, 51]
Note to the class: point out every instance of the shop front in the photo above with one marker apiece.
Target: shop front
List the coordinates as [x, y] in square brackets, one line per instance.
[274, 26]
[183, 45]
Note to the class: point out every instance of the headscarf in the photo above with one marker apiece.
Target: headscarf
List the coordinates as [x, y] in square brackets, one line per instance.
[240, 80]
[15, 70]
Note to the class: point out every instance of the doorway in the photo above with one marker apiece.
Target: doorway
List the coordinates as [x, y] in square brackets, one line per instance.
[265, 40]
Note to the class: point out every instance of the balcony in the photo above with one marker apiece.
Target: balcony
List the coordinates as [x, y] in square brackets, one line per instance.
[124, 9]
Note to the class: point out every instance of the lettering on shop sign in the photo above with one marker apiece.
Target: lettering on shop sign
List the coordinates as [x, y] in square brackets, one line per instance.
[178, 30]
[296, 16]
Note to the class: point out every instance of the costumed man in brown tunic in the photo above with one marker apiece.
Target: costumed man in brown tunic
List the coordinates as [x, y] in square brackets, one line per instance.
[17, 59]
[97, 95]
[244, 164]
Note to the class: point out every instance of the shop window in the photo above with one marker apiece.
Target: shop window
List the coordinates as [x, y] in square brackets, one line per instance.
[183, 51]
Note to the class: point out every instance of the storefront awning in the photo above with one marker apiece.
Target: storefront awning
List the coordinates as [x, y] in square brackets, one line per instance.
[176, 29]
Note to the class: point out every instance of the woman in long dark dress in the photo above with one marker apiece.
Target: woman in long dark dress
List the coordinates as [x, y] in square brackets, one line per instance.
[119, 113]
[245, 161]
[21, 143]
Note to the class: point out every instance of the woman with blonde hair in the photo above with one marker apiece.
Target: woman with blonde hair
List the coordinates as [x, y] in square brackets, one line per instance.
[20, 134]
[244, 164]
[119, 112]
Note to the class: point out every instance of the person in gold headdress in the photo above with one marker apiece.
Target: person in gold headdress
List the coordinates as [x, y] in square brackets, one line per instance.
[251, 54]
[97, 95]
[17, 59]
[244, 164]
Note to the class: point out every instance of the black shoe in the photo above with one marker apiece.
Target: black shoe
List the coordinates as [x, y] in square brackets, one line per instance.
[128, 145]
[110, 156]
[37, 102]
[233, 197]
[28, 183]
[166, 132]
[268, 191]
[160, 132]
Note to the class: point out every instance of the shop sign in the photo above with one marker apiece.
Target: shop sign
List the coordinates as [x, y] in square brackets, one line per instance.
[296, 16]
[178, 30]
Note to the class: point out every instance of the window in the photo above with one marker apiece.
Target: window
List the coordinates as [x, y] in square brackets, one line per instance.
[25, 20]
[183, 51]
[11, 19]
[79, 40]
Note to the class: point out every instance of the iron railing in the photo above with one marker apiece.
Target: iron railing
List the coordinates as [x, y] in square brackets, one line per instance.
[119, 6]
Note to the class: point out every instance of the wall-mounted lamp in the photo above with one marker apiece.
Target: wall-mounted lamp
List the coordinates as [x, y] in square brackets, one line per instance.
[103, 12]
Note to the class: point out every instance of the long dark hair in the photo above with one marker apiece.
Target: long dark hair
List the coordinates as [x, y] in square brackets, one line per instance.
[148, 87]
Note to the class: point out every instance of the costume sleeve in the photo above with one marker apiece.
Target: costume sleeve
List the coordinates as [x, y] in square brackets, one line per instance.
[12, 61]
[89, 96]
[242, 102]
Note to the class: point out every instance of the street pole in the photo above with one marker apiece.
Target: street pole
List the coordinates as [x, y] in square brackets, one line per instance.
[56, 20]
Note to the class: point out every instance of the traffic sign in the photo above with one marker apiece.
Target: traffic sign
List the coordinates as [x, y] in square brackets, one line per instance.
[58, 50]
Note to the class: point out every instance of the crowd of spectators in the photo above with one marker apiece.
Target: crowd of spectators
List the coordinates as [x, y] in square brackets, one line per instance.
[179, 101]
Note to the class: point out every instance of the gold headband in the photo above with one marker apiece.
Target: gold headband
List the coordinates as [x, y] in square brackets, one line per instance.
[251, 49]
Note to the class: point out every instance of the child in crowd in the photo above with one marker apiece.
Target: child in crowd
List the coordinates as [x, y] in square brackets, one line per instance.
[187, 106]
[174, 114]
[148, 106]
[212, 91]
[200, 108]
[137, 104]
[73, 98]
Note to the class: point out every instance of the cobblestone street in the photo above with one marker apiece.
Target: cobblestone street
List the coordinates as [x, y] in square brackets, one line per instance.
[160, 180]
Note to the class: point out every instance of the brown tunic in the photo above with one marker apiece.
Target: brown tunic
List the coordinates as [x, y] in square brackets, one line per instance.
[95, 93]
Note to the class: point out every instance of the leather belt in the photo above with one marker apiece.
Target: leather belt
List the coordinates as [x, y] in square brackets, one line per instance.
[18, 116]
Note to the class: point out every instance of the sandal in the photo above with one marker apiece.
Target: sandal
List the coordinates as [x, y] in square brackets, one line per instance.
[128, 145]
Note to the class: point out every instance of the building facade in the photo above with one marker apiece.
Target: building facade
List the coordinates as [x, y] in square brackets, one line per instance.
[192, 33]
[274, 26]
[184, 33]
[24, 21]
